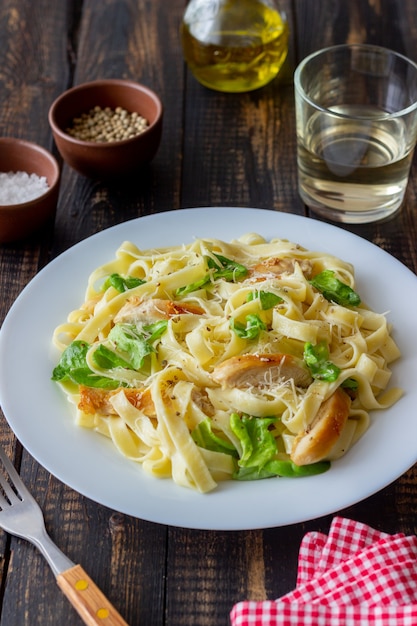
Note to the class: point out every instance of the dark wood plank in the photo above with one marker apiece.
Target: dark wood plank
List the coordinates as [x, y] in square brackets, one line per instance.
[30, 71]
[28, 75]
[220, 568]
[143, 45]
[239, 149]
[125, 557]
[389, 23]
[217, 149]
[46, 52]
[229, 150]
[393, 24]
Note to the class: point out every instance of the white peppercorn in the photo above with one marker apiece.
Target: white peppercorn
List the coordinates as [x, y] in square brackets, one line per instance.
[107, 125]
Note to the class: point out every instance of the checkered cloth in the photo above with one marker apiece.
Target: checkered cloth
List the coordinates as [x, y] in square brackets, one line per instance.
[354, 575]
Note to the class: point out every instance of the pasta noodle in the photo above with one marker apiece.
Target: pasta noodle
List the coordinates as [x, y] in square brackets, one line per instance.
[217, 360]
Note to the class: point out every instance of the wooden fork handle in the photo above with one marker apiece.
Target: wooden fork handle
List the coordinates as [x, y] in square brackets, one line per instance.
[91, 604]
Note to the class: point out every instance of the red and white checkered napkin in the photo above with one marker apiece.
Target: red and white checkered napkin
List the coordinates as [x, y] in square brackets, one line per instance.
[354, 576]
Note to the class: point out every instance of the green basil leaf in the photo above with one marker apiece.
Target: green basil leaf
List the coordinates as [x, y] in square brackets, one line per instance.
[251, 330]
[134, 344]
[267, 299]
[73, 367]
[230, 270]
[225, 268]
[121, 283]
[317, 360]
[107, 359]
[204, 437]
[335, 290]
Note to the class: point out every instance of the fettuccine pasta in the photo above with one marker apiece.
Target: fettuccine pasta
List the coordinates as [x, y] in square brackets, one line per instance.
[214, 361]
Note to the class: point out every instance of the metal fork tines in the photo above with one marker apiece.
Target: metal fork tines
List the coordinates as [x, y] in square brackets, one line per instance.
[21, 515]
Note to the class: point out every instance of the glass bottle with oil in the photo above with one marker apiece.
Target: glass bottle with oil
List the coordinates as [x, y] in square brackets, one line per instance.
[234, 45]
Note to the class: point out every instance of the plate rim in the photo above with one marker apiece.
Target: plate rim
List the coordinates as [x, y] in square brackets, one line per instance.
[268, 519]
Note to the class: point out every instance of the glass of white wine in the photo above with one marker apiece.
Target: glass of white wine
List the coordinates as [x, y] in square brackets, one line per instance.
[356, 114]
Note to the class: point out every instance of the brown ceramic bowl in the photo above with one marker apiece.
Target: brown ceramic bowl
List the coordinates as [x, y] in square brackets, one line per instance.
[17, 221]
[113, 159]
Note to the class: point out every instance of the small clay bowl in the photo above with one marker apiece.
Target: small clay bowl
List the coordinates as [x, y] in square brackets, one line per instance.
[17, 221]
[115, 159]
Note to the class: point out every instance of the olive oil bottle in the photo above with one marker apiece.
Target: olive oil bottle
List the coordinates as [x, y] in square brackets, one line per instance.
[234, 45]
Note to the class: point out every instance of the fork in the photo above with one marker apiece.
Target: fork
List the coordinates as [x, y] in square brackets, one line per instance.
[20, 515]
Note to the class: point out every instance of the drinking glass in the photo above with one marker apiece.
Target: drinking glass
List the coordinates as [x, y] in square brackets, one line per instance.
[356, 114]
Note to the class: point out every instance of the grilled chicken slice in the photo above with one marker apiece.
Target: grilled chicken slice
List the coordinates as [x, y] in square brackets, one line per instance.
[202, 400]
[277, 266]
[138, 310]
[98, 400]
[316, 442]
[259, 370]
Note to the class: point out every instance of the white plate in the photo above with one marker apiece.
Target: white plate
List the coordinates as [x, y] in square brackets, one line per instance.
[37, 410]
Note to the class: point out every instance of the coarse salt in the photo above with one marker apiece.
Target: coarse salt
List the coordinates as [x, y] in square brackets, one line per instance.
[19, 187]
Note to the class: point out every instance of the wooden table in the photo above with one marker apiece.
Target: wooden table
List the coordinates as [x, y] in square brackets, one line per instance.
[217, 149]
